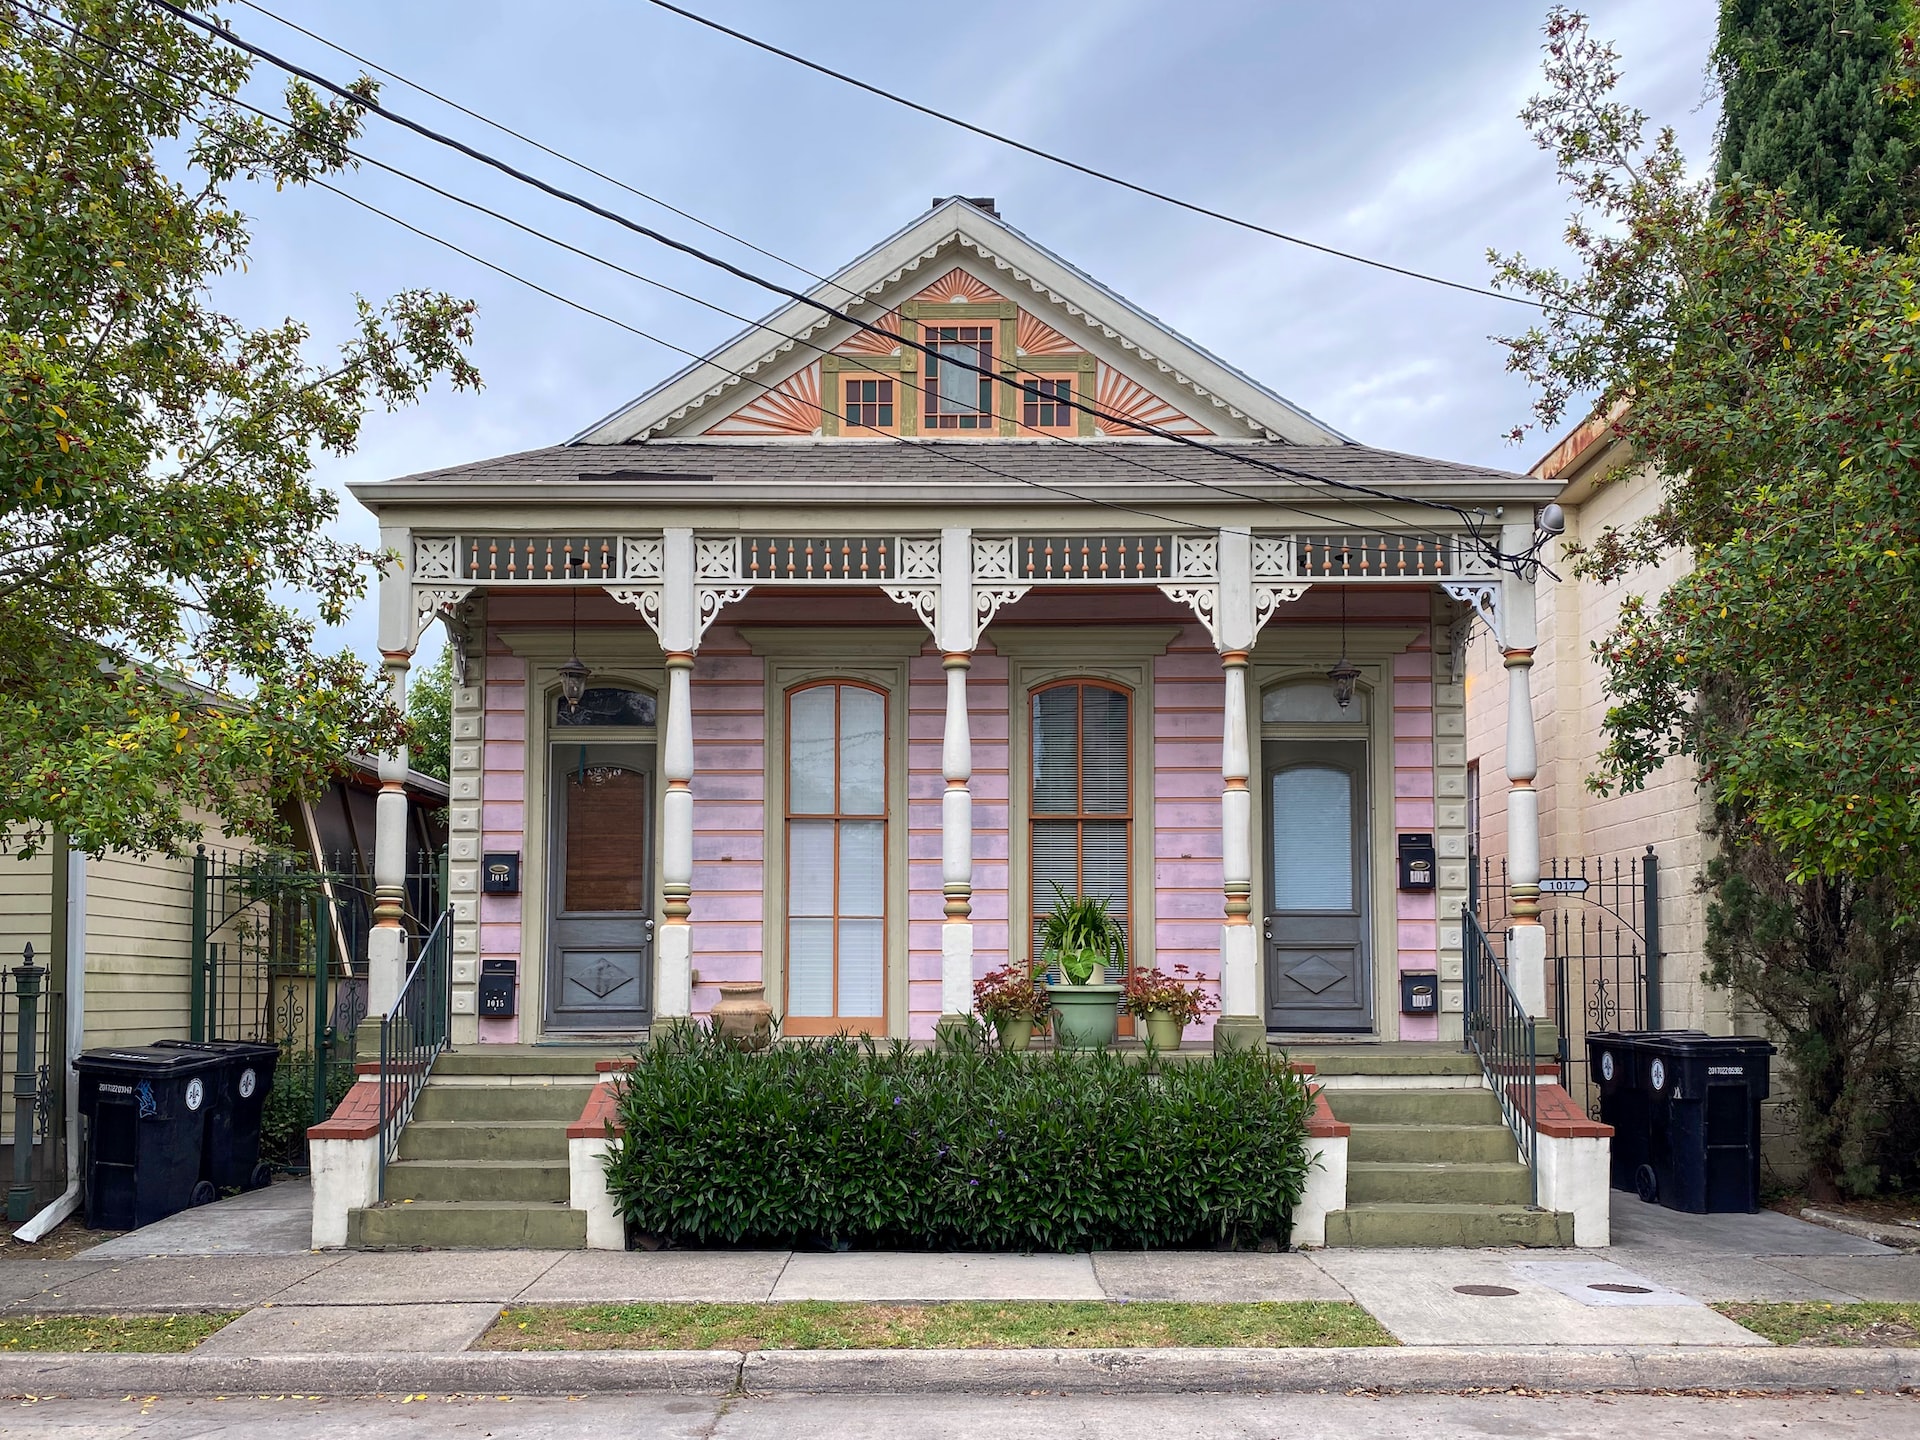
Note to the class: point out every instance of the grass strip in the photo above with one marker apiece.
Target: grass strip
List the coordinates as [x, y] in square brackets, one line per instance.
[108, 1334]
[1813, 1322]
[954, 1325]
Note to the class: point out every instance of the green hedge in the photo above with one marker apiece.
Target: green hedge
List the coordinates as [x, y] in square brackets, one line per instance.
[841, 1143]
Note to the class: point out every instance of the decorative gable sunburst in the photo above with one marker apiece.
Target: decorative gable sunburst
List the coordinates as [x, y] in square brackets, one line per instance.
[1147, 374]
[958, 285]
[865, 342]
[1037, 338]
[1126, 399]
[791, 408]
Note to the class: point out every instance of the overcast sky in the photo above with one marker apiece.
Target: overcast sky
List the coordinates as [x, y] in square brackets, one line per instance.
[1384, 128]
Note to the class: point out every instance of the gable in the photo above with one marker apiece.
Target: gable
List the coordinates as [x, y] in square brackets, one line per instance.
[976, 282]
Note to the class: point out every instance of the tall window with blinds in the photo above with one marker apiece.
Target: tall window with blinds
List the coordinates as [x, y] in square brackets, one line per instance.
[836, 845]
[1082, 808]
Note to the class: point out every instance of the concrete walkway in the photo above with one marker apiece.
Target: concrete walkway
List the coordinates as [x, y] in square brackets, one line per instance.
[1649, 1289]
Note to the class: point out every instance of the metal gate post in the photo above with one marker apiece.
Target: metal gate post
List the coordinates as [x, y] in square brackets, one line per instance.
[1650, 928]
[322, 1029]
[26, 1088]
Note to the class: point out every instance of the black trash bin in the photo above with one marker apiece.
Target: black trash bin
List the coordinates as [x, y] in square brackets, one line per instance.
[1702, 1096]
[145, 1110]
[238, 1095]
[1613, 1063]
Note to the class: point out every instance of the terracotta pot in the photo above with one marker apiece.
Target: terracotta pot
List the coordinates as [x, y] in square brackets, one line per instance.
[1163, 1030]
[743, 1017]
[1015, 1031]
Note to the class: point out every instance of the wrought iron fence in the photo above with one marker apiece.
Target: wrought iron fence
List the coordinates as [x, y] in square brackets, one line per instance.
[412, 1035]
[1500, 1032]
[279, 957]
[1602, 918]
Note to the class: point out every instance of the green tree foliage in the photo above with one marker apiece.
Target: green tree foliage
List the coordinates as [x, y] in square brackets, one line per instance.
[160, 533]
[1803, 109]
[430, 717]
[1773, 371]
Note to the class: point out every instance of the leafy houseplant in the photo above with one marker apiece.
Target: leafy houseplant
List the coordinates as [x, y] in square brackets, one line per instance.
[1014, 1002]
[1079, 939]
[1167, 1004]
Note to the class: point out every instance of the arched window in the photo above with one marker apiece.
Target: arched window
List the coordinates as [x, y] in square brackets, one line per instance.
[604, 705]
[1082, 805]
[836, 845]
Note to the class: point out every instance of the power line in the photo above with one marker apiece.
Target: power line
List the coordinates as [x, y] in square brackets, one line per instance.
[362, 101]
[950, 119]
[541, 146]
[927, 448]
[563, 157]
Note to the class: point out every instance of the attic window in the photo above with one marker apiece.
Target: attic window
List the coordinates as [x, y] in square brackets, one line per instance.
[1047, 404]
[959, 397]
[869, 404]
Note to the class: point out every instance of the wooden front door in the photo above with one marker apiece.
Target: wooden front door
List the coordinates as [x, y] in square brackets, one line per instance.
[1317, 956]
[600, 951]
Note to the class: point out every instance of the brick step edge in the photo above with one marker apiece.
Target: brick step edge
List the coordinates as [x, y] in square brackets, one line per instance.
[1437, 1369]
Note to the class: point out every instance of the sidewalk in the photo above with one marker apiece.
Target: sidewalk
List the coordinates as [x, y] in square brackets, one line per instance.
[1645, 1295]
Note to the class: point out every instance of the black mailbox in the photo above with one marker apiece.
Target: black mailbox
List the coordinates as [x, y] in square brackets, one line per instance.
[500, 875]
[1419, 992]
[498, 979]
[1417, 862]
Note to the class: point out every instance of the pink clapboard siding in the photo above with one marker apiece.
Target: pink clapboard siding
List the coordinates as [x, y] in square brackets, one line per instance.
[729, 813]
[926, 783]
[503, 811]
[1188, 728]
[1418, 928]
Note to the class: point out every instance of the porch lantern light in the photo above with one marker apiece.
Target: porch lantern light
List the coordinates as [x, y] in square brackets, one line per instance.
[574, 674]
[1344, 673]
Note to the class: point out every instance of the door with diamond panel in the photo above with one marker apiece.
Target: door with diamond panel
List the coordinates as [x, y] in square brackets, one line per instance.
[1317, 914]
[600, 950]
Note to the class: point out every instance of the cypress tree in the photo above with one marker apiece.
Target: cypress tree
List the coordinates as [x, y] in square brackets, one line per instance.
[1806, 108]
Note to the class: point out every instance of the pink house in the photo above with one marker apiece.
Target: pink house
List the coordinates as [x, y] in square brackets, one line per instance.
[963, 580]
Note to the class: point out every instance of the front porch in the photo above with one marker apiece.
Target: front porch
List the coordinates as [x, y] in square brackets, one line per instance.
[776, 774]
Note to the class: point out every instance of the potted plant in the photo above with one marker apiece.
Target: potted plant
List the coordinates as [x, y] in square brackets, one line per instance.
[1079, 940]
[1013, 1003]
[1166, 1004]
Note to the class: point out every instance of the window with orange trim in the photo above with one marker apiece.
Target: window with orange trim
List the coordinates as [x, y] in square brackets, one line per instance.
[836, 844]
[1047, 404]
[869, 404]
[958, 397]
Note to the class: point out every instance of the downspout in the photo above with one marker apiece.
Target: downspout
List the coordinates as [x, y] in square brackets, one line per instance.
[76, 957]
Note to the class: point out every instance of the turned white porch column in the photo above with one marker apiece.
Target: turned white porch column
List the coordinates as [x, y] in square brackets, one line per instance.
[387, 943]
[1240, 1022]
[1526, 938]
[954, 623]
[679, 636]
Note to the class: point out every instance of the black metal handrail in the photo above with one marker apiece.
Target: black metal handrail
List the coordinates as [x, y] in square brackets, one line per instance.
[412, 1035]
[1499, 1030]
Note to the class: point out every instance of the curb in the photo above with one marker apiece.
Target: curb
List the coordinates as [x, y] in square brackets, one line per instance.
[857, 1372]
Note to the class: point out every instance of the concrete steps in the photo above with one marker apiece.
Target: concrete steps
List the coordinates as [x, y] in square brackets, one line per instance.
[1470, 1226]
[483, 1162]
[1430, 1161]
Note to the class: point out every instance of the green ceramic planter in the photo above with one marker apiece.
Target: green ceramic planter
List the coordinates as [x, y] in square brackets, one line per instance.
[1163, 1030]
[1085, 1016]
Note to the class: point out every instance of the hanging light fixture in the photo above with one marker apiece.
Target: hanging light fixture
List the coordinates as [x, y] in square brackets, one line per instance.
[574, 675]
[1346, 672]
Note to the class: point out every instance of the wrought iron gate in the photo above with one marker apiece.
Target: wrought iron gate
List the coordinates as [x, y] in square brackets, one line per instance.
[1602, 917]
[279, 956]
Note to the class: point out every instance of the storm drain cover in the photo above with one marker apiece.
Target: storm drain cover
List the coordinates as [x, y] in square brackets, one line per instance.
[1486, 1290]
[1613, 1289]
